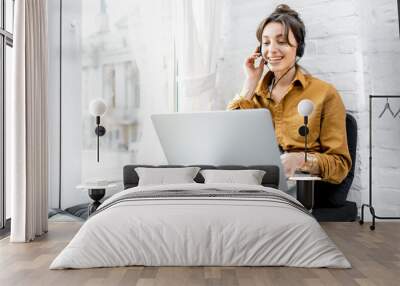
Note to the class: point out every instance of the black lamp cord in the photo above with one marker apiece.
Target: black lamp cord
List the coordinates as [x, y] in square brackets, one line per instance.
[305, 137]
[98, 136]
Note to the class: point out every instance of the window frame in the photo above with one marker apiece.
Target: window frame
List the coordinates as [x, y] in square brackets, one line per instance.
[6, 39]
[398, 13]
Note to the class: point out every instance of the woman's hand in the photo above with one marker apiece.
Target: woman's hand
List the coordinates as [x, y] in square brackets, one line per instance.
[292, 162]
[253, 73]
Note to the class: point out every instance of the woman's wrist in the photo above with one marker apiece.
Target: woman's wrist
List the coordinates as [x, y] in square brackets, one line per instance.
[311, 165]
[249, 87]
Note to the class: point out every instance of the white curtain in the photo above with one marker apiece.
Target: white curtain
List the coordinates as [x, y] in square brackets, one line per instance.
[197, 27]
[28, 122]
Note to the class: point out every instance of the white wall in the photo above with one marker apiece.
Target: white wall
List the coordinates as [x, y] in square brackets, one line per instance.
[333, 49]
[354, 45]
[381, 57]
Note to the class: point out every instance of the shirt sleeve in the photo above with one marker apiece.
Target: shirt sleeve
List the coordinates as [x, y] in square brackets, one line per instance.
[240, 102]
[334, 160]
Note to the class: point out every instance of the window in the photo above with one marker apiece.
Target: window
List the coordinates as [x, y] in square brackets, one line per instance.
[121, 55]
[6, 43]
[128, 54]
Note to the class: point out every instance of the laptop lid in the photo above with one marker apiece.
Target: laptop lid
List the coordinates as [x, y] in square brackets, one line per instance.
[239, 137]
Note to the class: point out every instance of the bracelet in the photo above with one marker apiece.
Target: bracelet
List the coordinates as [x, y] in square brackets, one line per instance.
[309, 166]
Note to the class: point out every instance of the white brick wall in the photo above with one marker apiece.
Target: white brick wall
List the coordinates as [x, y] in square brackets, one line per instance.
[354, 45]
[381, 50]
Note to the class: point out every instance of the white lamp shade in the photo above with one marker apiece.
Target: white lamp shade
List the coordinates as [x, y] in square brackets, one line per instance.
[97, 107]
[305, 107]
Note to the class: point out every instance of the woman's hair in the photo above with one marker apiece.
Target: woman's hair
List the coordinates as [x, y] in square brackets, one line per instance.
[290, 20]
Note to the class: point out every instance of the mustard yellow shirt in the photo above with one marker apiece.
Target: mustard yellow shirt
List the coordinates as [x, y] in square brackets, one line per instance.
[327, 139]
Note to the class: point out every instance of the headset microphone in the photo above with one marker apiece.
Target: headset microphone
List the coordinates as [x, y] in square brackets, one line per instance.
[265, 60]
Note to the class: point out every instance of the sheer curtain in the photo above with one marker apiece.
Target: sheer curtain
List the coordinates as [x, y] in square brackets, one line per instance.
[27, 122]
[197, 27]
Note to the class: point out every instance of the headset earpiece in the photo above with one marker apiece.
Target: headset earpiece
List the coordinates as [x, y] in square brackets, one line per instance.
[300, 49]
[259, 50]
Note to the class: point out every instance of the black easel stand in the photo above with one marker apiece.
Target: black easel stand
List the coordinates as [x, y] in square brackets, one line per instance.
[371, 208]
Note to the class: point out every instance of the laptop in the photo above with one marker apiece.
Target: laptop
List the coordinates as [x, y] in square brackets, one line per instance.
[238, 137]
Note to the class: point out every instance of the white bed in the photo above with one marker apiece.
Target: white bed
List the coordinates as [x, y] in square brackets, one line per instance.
[206, 230]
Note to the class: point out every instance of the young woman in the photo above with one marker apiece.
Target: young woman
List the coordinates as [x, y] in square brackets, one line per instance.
[281, 36]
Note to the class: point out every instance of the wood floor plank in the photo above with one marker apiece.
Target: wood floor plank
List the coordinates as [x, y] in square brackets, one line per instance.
[374, 255]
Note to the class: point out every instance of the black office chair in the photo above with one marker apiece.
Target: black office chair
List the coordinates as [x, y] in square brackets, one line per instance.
[330, 202]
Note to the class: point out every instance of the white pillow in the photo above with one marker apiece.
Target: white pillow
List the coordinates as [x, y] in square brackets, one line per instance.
[163, 176]
[248, 177]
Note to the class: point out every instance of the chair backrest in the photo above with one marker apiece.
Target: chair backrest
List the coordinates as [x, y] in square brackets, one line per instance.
[351, 130]
[334, 195]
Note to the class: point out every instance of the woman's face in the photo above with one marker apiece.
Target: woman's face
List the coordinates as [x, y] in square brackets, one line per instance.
[280, 55]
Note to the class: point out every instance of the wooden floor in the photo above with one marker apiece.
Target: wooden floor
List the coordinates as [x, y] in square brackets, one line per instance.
[374, 255]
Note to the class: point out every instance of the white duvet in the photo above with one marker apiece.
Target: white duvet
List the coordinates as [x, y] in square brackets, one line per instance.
[200, 231]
